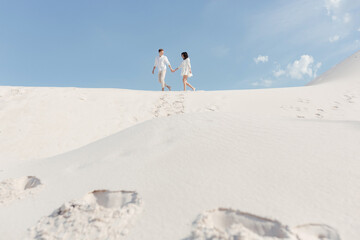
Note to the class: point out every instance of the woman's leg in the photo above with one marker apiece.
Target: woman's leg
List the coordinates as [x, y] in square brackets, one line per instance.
[190, 86]
[185, 81]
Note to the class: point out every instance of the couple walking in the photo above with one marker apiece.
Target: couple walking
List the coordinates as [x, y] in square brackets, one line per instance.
[161, 61]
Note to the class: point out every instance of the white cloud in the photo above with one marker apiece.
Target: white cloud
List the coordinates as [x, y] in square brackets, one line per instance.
[262, 59]
[279, 73]
[334, 38]
[331, 5]
[336, 12]
[302, 67]
[316, 68]
[263, 83]
[359, 29]
[347, 18]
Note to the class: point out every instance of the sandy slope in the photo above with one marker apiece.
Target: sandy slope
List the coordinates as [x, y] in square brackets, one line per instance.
[287, 154]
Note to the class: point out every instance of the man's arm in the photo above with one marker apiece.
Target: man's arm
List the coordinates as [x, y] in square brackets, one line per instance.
[155, 65]
[168, 63]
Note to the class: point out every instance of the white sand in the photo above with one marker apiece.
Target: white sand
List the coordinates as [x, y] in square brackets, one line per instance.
[230, 224]
[100, 214]
[288, 154]
[17, 188]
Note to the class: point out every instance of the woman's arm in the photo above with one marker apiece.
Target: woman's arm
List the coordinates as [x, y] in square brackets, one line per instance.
[181, 65]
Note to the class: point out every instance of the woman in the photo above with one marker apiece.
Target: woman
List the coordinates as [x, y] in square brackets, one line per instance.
[185, 70]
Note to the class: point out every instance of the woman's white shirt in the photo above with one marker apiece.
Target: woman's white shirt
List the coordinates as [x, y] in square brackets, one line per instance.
[186, 67]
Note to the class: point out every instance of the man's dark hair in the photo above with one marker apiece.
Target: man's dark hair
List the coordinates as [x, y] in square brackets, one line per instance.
[161, 49]
[185, 55]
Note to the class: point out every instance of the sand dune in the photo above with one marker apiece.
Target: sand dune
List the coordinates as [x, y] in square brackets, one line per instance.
[69, 113]
[346, 72]
[288, 154]
[181, 168]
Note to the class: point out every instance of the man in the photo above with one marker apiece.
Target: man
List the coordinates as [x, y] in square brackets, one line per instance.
[160, 62]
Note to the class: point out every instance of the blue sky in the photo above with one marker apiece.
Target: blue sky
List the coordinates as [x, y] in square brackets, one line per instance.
[232, 44]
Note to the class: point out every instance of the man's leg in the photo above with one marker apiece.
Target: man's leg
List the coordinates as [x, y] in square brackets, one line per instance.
[165, 83]
[161, 80]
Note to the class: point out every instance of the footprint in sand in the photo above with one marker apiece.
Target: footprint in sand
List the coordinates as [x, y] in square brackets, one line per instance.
[101, 214]
[335, 106]
[18, 188]
[349, 98]
[228, 224]
[319, 113]
[212, 108]
[170, 105]
[301, 110]
[303, 100]
[316, 232]
[17, 91]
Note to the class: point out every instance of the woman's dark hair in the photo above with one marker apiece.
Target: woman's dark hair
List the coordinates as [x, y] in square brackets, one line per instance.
[184, 55]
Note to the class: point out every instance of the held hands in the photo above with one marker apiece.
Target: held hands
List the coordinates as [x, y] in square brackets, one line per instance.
[171, 69]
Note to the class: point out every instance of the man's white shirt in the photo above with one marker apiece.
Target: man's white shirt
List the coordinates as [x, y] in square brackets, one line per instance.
[161, 62]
